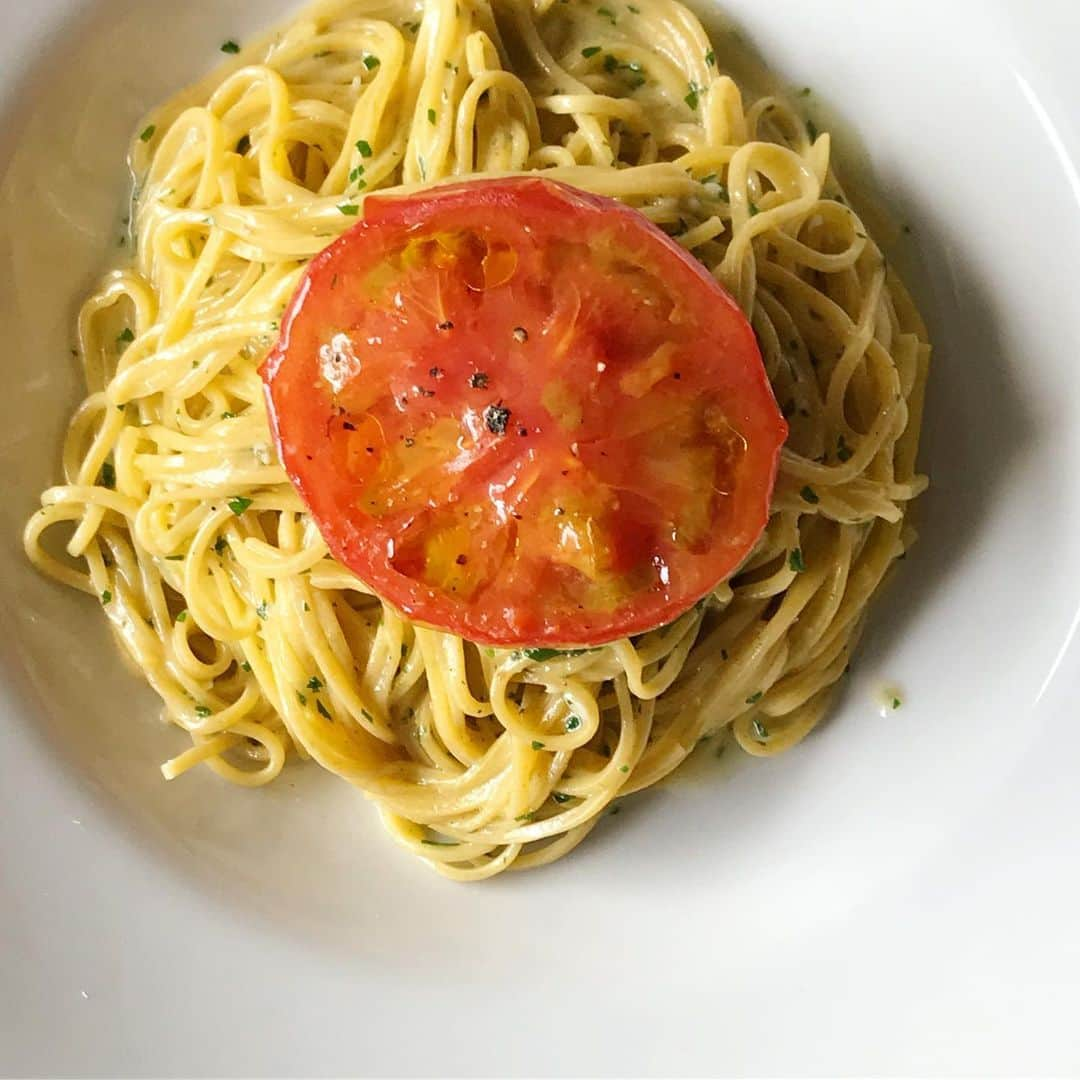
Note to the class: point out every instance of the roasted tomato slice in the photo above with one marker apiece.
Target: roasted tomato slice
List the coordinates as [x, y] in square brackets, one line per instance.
[519, 412]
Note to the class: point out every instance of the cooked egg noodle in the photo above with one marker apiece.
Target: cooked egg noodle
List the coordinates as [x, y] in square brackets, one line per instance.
[177, 517]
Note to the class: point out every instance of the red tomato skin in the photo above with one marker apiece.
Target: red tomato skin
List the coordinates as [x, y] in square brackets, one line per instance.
[517, 625]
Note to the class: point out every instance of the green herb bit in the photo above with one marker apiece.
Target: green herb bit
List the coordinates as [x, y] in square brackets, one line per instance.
[147, 132]
[202, 710]
[431, 116]
[349, 209]
[761, 732]
[590, 50]
[371, 62]
[624, 768]
[896, 703]
[322, 710]
[537, 744]
[174, 558]
[314, 684]
[810, 495]
[843, 451]
[804, 92]
[692, 95]
[754, 698]
[562, 797]
[106, 597]
[573, 723]
[607, 13]
[796, 561]
[245, 666]
[108, 475]
[528, 816]
[811, 130]
[710, 58]
[124, 338]
[363, 148]
[230, 47]
[262, 610]
[182, 616]
[754, 210]
[356, 174]
[540, 655]
[441, 843]
[220, 544]
[239, 503]
[301, 697]
[611, 64]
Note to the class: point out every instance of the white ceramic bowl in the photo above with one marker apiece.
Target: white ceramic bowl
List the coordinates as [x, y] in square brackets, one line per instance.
[897, 895]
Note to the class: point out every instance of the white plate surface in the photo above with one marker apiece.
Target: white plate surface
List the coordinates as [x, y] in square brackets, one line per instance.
[897, 895]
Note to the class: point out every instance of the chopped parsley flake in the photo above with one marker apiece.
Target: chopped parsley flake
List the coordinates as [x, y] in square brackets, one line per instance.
[371, 62]
[561, 796]
[363, 147]
[202, 710]
[262, 610]
[573, 723]
[174, 558]
[220, 544]
[244, 665]
[542, 654]
[356, 174]
[692, 96]
[810, 495]
[239, 503]
[710, 58]
[124, 338]
[478, 380]
[537, 744]
[607, 13]
[441, 843]
[811, 130]
[314, 684]
[590, 50]
[761, 732]
[322, 710]
[896, 703]
[843, 451]
[528, 816]
[230, 47]
[182, 616]
[108, 475]
[624, 768]
[349, 209]
[301, 697]
[796, 561]
[147, 132]
[106, 597]
[431, 116]
[754, 698]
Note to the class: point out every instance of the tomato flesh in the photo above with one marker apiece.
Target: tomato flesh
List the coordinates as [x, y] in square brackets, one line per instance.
[522, 413]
